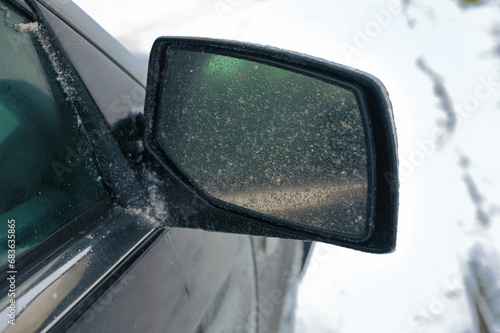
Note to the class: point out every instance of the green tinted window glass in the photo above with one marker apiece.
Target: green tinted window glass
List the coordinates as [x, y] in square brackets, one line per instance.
[47, 172]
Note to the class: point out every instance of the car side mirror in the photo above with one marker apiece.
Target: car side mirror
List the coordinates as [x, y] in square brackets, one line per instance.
[299, 145]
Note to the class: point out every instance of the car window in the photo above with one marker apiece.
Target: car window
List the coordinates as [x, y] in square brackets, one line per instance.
[47, 172]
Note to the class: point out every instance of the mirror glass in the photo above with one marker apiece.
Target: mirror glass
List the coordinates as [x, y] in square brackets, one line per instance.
[267, 139]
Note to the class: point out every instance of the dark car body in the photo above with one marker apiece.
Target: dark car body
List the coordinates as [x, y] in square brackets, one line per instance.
[113, 268]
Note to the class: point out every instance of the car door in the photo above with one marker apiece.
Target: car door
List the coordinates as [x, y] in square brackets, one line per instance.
[189, 281]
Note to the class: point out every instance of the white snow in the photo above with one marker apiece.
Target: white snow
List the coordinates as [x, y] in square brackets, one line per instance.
[420, 287]
[27, 27]
[63, 76]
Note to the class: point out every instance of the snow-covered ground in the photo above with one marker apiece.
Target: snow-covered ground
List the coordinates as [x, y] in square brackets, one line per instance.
[440, 62]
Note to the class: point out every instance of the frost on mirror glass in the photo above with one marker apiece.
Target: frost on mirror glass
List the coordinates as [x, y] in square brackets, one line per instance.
[267, 139]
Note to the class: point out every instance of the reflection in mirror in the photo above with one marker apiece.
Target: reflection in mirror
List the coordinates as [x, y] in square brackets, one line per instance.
[267, 139]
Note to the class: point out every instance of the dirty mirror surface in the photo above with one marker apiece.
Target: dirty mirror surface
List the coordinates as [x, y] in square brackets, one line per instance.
[267, 139]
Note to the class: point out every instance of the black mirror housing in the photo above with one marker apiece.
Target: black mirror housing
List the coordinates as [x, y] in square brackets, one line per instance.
[325, 168]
